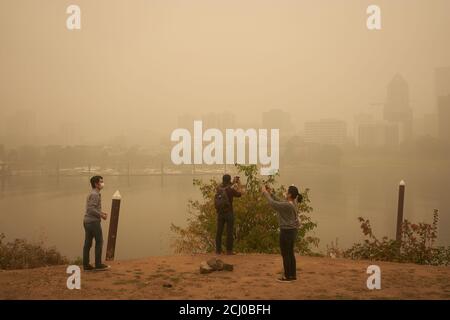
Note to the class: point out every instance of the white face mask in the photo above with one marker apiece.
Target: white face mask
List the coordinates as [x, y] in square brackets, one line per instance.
[102, 185]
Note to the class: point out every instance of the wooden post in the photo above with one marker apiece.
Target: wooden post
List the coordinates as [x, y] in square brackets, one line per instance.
[113, 224]
[401, 198]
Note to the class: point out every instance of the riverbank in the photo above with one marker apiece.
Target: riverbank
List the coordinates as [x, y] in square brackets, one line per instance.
[254, 277]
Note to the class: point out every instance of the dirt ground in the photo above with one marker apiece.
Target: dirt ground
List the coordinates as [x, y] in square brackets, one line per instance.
[254, 277]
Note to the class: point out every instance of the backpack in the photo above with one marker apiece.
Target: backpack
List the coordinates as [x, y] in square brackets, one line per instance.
[221, 201]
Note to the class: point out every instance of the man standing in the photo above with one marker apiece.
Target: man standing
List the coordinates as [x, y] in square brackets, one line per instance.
[92, 226]
[225, 214]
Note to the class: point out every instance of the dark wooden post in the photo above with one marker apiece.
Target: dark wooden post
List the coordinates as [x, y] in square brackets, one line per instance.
[401, 198]
[113, 224]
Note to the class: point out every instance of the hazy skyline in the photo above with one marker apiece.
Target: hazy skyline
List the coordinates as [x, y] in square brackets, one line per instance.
[134, 67]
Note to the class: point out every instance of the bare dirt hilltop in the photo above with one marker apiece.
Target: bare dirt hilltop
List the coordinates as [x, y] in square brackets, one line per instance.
[254, 275]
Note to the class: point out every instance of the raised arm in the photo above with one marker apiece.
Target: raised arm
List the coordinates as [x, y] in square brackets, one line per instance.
[276, 205]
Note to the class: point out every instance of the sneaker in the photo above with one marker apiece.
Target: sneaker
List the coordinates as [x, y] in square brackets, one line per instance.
[230, 253]
[88, 268]
[102, 267]
[285, 280]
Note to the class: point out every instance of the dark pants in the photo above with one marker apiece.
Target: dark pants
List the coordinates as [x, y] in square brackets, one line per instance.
[93, 230]
[223, 219]
[287, 243]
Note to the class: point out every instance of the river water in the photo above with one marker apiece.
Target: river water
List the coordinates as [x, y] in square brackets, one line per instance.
[51, 209]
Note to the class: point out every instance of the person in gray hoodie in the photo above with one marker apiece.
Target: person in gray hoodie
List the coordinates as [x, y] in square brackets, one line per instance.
[289, 224]
[92, 227]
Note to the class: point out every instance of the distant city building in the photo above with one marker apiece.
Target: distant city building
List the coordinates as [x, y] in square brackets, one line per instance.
[277, 119]
[444, 117]
[378, 134]
[361, 119]
[326, 131]
[397, 108]
[427, 125]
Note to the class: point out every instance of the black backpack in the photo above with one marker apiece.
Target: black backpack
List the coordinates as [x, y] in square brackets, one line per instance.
[221, 201]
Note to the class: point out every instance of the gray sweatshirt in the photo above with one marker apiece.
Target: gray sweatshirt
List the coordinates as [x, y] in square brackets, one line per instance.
[287, 212]
[93, 207]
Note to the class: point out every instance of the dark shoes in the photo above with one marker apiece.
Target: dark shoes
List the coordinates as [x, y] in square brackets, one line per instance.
[101, 267]
[88, 268]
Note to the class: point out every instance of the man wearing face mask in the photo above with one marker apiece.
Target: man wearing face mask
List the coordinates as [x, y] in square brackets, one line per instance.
[92, 226]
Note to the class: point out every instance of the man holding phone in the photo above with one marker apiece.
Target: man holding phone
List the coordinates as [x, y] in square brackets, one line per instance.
[92, 227]
[230, 190]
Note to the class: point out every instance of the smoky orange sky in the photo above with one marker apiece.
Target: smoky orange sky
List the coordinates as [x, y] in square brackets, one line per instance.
[135, 65]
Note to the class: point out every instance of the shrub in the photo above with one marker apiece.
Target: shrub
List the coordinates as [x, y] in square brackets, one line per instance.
[417, 245]
[20, 254]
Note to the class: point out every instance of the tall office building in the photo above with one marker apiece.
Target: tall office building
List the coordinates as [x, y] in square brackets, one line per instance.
[397, 108]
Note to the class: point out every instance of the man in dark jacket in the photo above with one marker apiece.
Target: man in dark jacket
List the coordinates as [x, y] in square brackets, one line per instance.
[232, 190]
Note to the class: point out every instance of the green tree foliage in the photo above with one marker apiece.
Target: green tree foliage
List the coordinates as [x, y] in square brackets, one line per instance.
[256, 224]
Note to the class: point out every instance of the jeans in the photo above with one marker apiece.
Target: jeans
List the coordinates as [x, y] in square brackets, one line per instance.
[287, 243]
[93, 230]
[222, 219]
